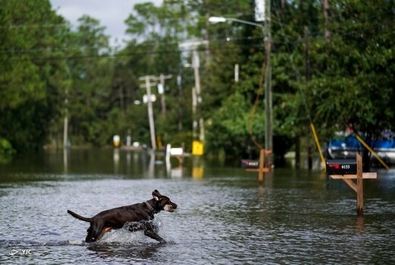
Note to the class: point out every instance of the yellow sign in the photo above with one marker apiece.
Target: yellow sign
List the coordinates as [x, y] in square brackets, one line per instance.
[197, 148]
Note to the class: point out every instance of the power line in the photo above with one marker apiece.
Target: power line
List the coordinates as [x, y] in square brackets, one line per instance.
[278, 39]
[145, 51]
[19, 26]
[120, 55]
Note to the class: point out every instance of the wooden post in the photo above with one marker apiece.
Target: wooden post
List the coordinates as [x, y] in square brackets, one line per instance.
[261, 165]
[359, 185]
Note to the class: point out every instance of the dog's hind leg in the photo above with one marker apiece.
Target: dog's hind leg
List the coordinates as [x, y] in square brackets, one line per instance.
[95, 231]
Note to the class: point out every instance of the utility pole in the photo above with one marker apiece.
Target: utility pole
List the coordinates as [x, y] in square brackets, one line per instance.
[66, 122]
[307, 78]
[65, 131]
[161, 91]
[196, 95]
[198, 122]
[194, 108]
[237, 70]
[150, 111]
[66, 114]
[268, 85]
[180, 96]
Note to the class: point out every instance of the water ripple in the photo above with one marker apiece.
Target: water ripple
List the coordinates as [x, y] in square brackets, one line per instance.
[216, 223]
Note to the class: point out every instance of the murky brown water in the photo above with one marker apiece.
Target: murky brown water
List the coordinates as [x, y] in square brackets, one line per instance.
[224, 216]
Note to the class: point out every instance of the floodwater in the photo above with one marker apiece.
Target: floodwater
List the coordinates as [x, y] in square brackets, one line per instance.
[223, 215]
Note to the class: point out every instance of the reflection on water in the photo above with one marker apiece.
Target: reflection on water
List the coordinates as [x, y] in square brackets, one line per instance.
[224, 216]
[65, 160]
[124, 250]
[360, 224]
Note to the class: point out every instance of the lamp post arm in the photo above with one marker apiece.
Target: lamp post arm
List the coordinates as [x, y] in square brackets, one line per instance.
[245, 22]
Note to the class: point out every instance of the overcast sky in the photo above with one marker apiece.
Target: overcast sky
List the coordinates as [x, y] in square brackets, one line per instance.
[111, 13]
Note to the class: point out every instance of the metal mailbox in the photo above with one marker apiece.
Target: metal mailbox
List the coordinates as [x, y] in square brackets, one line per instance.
[341, 167]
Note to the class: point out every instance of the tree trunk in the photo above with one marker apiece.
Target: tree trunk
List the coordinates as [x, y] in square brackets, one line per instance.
[325, 5]
[297, 153]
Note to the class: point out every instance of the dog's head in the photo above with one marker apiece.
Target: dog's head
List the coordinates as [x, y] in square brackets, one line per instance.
[163, 202]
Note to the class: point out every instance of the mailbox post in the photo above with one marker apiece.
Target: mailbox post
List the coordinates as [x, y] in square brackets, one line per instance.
[348, 171]
[262, 166]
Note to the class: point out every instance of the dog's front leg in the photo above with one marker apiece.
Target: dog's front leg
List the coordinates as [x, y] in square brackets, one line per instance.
[153, 235]
[133, 227]
[149, 230]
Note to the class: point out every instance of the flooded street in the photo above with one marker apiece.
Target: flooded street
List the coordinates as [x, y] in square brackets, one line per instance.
[223, 215]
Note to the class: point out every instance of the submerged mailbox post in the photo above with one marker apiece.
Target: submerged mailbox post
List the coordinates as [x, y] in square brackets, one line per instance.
[259, 166]
[348, 171]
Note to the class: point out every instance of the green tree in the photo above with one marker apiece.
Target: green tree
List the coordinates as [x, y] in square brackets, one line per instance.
[91, 68]
[353, 77]
[234, 127]
[354, 83]
[30, 31]
[153, 50]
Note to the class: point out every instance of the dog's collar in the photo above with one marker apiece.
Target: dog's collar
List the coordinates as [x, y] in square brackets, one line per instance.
[149, 206]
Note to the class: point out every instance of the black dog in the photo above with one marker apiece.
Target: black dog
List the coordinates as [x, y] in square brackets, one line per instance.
[140, 214]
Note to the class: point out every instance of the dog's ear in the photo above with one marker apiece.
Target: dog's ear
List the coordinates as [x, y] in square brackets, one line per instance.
[156, 195]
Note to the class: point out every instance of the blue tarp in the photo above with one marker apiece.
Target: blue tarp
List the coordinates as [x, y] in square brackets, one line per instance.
[351, 143]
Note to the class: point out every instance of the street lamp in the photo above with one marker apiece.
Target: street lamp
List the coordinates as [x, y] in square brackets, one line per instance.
[215, 20]
[268, 72]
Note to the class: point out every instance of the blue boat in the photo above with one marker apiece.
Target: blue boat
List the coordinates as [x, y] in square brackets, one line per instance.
[345, 147]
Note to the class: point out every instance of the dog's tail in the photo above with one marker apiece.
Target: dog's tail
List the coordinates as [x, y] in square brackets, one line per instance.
[79, 216]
